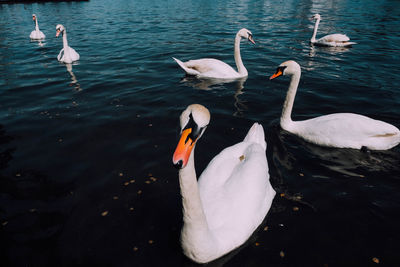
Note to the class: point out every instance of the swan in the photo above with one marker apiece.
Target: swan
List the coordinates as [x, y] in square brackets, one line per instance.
[214, 68]
[336, 39]
[36, 34]
[342, 130]
[67, 54]
[232, 196]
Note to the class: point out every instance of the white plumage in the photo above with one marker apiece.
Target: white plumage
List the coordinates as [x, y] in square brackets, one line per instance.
[214, 68]
[342, 130]
[67, 54]
[335, 39]
[36, 34]
[232, 196]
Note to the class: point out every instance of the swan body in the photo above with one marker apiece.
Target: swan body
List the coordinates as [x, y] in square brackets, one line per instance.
[214, 68]
[67, 54]
[342, 130]
[232, 196]
[335, 39]
[36, 34]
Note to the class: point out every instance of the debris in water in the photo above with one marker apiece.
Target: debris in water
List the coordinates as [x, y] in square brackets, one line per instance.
[376, 260]
[104, 213]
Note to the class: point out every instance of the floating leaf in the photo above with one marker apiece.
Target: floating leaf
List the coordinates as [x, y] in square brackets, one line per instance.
[376, 260]
[104, 213]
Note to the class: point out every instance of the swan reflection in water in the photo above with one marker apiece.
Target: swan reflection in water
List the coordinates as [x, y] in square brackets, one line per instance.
[290, 152]
[332, 50]
[74, 81]
[213, 83]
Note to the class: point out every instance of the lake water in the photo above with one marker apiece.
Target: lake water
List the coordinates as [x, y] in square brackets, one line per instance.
[86, 175]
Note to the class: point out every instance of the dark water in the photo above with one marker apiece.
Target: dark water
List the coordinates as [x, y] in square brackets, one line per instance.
[85, 149]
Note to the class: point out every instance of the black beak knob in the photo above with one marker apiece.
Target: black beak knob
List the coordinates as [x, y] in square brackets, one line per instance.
[179, 164]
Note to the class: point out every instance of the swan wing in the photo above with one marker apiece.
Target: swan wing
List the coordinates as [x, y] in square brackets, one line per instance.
[74, 55]
[61, 55]
[235, 190]
[37, 35]
[336, 39]
[349, 130]
[209, 68]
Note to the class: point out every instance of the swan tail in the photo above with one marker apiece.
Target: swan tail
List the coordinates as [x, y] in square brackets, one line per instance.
[256, 135]
[186, 69]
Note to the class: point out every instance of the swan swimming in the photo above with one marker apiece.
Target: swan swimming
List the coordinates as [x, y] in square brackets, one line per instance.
[342, 130]
[335, 39]
[36, 34]
[214, 68]
[232, 196]
[67, 54]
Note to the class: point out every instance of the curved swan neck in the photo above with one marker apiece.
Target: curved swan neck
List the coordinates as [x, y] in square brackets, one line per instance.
[197, 240]
[288, 105]
[65, 41]
[238, 59]
[192, 206]
[315, 30]
[36, 25]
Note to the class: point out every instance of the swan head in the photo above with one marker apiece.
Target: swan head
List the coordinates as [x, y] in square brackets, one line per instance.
[289, 67]
[193, 121]
[245, 33]
[34, 17]
[316, 16]
[59, 29]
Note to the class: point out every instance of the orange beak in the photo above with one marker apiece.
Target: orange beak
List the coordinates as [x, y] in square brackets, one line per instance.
[276, 74]
[183, 150]
[252, 40]
[58, 33]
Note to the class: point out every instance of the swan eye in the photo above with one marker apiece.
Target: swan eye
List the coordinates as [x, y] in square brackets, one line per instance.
[281, 69]
[196, 130]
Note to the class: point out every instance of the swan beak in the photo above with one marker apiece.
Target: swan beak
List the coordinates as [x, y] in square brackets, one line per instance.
[58, 33]
[251, 39]
[183, 150]
[276, 74]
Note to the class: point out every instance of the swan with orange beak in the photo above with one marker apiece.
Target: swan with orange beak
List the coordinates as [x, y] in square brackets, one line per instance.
[232, 196]
[67, 54]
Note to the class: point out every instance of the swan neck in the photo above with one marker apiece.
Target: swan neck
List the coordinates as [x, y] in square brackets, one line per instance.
[36, 25]
[193, 213]
[238, 59]
[65, 41]
[315, 31]
[197, 239]
[286, 118]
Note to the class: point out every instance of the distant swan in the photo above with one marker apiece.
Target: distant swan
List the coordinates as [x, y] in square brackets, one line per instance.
[232, 196]
[67, 54]
[343, 130]
[336, 39]
[36, 34]
[214, 68]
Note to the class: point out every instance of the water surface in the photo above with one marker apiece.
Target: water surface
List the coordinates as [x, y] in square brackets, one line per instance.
[85, 170]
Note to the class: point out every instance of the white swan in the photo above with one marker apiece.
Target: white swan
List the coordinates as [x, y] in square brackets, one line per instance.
[67, 54]
[343, 130]
[36, 34]
[232, 196]
[336, 39]
[214, 68]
